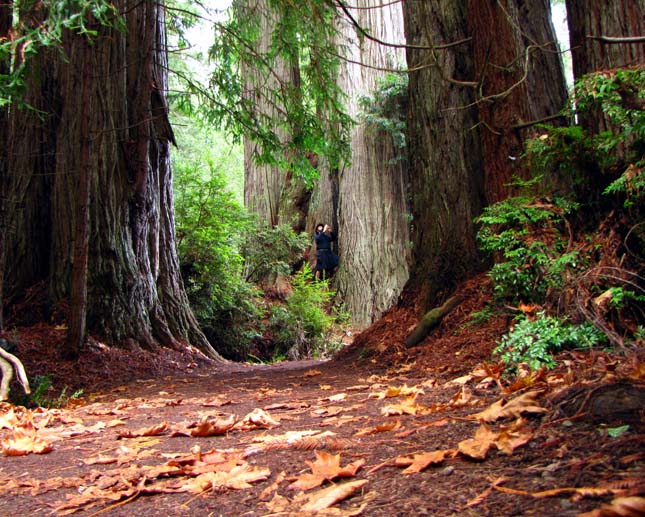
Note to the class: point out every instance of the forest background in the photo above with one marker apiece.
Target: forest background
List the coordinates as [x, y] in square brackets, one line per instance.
[425, 173]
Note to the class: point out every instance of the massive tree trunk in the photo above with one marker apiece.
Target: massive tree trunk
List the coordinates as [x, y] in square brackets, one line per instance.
[268, 188]
[609, 18]
[521, 80]
[135, 293]
[446, 167]
[6, 9]
[372, 213]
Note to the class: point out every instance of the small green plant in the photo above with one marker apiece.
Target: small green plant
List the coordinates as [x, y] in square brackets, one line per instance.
[535, 341]
[42, 384]
[302, 325]
[525, 237]
[385, 109]
[479, 317]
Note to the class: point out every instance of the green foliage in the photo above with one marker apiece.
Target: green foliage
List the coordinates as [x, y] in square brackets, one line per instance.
[289, 118]
[386, 108]
[271, 251]
[302, 326]
[534, 341]
[42, 386]
[210, 227]
[526, 238]
[41, 25]
[612, 158]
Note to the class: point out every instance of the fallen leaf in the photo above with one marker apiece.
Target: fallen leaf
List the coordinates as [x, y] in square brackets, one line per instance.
[337, 398]
[478, 447]
[329, 496]
[25, 442]
[273, 486]
[481, 497]
[326, 467]
[381, 428]
[515, 408]
[407, 407]
[213, 427]
[619, 507]
[418, 462]
[154, 430]
[260, 419]
[312, 373]
[511, 437]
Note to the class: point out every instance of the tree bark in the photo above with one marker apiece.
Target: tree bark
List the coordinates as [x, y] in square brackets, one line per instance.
[446, 173]
[6, 9]
[521, 79]
[135, 294]
[373, 224]
[78, 289]
[613, 18]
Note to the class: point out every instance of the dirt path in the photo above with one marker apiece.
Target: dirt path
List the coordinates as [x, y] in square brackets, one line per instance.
[278, 453]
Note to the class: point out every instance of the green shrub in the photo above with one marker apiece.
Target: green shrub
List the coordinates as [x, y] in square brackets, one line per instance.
[525, 237]
[301, 327]
[271, 251]
[534, 341]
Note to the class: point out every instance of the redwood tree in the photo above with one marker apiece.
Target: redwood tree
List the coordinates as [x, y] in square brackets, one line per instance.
[135, 292]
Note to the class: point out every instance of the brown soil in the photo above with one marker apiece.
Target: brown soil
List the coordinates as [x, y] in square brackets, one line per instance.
[569, 444]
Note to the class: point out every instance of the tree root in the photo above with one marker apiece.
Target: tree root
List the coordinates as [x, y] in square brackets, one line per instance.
[430, 320]
[9, 362]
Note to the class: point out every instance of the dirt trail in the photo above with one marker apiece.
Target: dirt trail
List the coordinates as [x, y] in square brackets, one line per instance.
[380, 422]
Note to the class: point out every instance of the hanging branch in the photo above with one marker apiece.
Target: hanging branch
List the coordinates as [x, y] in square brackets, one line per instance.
[618, 39]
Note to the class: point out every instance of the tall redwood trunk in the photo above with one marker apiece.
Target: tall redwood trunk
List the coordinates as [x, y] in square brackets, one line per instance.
[612, 18]
[373, 223]
[446, 171]
[521, 80]
[135, 294]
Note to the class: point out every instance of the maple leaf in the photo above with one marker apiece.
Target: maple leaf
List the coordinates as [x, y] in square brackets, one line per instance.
[25, 442]
[515, 408]
[327, 497]
[407, 407]
[154, 430]
[260, 419]
[325, 468]
[211, 427]
[478, 447]
[381, 428]
[238, 478]
[511, 437]
[420, 461]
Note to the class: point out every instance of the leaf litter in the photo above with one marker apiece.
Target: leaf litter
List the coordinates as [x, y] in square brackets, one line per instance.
[331, 439]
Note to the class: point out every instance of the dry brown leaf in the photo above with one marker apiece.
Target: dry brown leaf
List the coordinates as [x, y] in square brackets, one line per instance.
[407, 407]
[337, 398]
[259, 419]
[25, 442]
[619, 507]
[329, 496]
[326, 467]
[463, 397]
[381, 428]
[213, 427]
[515, 408]
[312, 373]
[418, 462]
[513, 436]
[478, 447]
[154, 430]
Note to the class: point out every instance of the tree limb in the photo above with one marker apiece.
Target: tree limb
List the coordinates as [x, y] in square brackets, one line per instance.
[430, 320]
[618, 39]
[6, 360]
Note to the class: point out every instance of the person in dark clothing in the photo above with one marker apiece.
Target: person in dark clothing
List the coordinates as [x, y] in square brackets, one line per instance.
[326, 259]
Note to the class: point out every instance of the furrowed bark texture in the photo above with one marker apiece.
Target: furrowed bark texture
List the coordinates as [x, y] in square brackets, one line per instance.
[613, 18]
[5, 24]
[372, 213]
[135, 294]
[265, 185]
[515, 58]
[446, 173]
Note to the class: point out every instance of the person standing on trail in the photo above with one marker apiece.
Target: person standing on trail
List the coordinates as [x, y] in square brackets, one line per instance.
[326, 259]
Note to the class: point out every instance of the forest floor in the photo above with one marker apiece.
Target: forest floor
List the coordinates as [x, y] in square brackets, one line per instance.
[381, 430]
